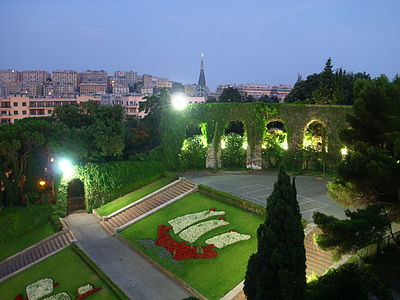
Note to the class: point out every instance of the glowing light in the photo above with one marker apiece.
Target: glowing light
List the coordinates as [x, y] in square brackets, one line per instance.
[263, 146]
[223, 144]
[179, 101]
[66, 167]
[343, 151]
[42, 182]
[285, 145]
[244, 146]
[52, 159]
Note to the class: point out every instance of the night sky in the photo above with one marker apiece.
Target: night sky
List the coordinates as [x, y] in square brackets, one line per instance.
[243, 41]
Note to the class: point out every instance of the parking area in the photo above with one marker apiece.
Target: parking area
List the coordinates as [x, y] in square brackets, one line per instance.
[311, 191]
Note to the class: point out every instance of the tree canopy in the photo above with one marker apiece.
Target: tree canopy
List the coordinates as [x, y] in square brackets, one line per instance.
[230, 94]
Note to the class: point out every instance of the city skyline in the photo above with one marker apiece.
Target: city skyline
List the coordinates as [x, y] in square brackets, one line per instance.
[257, 42]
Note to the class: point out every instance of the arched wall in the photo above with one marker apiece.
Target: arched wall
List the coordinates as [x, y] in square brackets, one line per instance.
[255, 116]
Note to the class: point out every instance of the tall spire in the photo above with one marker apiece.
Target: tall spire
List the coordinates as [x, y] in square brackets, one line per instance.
[202, 77]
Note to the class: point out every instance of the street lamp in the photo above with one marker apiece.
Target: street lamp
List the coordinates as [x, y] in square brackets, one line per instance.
[178, 101]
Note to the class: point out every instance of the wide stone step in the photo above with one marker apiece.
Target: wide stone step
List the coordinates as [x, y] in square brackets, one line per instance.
[34, 253]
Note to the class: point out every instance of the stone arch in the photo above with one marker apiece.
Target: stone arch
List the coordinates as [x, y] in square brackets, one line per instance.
[75, 196]
[317, 131]
[233, 129]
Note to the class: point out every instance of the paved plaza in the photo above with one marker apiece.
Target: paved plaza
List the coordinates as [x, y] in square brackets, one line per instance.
[311, 190]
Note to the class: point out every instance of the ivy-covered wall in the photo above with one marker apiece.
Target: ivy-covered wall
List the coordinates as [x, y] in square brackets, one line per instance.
[104, 182]
[255, 116]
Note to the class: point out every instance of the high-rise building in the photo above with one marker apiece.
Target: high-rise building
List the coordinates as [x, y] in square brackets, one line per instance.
[148, 81]
[93, 88]
[125, 78]
[9, 80]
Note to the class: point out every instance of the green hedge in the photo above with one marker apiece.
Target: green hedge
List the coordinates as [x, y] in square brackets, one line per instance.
[104, 182]
[231, 199]
[15, 221]
[99, 273]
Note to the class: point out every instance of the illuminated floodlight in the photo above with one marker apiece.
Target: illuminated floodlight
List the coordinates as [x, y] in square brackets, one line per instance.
[179, 101]
[244, 146]
[223, 144]
[42, 182]
[285, 145]
[66, 167]
[343, 151]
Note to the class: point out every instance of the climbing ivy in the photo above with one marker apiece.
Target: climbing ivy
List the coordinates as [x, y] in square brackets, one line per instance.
[104, 182]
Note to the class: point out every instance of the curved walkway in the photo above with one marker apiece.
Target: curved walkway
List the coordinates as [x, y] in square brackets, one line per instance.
[135, 276]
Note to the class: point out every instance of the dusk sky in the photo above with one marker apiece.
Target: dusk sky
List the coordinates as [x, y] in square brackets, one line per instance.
[243, 41]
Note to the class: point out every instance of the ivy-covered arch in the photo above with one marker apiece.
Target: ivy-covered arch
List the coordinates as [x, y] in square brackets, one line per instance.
[254, 117]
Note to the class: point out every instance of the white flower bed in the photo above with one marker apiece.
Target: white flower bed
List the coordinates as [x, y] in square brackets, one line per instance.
[228, 238]
[84, 289]
[39, 288]
[180, 223]
[60, 296]
[192, 233]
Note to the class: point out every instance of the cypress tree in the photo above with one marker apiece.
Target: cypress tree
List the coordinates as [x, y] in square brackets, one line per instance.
[277, 269]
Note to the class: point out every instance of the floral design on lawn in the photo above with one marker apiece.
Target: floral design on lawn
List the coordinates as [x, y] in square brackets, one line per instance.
[45, 286]
[190, 228]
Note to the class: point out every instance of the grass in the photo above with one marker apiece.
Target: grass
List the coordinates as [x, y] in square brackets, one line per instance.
[66, 268]
[211, 277]
[119, 203]
[25, 240]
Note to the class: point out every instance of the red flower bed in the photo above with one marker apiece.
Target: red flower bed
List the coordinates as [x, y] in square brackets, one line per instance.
[88, 293]
[182, 251]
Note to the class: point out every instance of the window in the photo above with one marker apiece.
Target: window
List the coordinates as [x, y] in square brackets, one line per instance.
[15, 104]
[23, 103]
[24, 112]
[49, 112]
[15, 112]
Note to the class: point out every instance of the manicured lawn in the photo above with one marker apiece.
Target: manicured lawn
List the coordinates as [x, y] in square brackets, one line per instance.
[109, 208]
[212, 277]
[66, 268]
[25, 240]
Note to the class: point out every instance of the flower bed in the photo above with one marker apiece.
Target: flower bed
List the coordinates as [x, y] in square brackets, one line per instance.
[39, 288]
[181, 251]
[228, 238]
[192, 233]
[180, 223]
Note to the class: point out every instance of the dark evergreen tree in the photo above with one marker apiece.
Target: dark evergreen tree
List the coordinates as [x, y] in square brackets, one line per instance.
[372, 165]
[277, 269]
[303, 89]
[324, 93]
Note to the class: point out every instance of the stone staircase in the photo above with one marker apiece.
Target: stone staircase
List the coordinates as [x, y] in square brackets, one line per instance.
[317, 260]
[147, 205]
[35, 253]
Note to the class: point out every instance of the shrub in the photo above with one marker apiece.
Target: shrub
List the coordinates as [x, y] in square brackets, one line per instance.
[233, 156]
[347, 282]
[193, 153]
[15, 221]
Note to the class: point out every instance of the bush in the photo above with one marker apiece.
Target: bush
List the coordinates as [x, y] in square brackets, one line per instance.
[347, 282]
[193, 153]
[273, 152]
[15, 221]
[231, 199]
[233, 156]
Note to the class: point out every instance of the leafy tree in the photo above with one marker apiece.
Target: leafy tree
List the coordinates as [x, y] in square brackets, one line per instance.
[230, 94]
[18, 142]
[268, 99]
[95, 131]
[211, 99]
[177, 87]
[363, 227]
[303, 89]
[277, 269]
[324, 93]
[372, 165]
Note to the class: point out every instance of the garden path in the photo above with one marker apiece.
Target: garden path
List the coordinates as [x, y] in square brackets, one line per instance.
[134, 275]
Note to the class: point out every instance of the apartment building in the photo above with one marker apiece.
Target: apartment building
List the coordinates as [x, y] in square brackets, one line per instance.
[163, 83]
[125, 77]
[37, 76]
[146, 91]
[58, 88]
[98, 77]
[17, 107]
[129, 102]
[67, 77]
[93, 88]
[120, 89]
